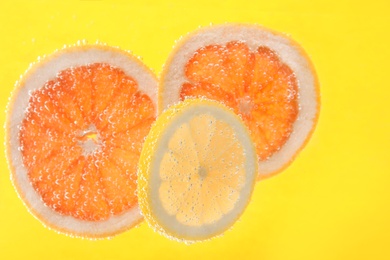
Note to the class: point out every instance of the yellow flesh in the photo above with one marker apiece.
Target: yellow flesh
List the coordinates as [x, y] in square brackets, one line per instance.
[202, 171]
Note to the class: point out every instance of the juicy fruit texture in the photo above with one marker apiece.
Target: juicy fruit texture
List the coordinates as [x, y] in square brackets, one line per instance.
[197, 170]
[261, 88]
[81, 139]
[214, 170]
[265, 77]
[75, 127]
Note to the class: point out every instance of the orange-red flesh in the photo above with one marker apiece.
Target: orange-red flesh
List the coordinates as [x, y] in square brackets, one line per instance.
[81, 139]
[256, 84]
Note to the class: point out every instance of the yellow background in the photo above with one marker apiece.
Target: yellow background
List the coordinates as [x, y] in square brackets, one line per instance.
[333, 202]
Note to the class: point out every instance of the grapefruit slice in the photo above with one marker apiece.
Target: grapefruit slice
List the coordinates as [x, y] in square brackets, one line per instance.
[197, 171]
[75, 127]
[264, 76]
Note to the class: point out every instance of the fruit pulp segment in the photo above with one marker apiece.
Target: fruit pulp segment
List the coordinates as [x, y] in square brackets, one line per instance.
[202, 171]
[81, 139]
[256, 84]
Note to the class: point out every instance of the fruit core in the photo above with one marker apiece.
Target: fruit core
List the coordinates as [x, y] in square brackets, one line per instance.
[89, 140]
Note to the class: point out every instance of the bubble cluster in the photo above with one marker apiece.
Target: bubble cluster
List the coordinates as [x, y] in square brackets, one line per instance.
[257, 85]
[202, 171]
[81, 139]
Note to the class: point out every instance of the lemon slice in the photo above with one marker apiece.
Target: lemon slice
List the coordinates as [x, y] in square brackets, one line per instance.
[197, 170]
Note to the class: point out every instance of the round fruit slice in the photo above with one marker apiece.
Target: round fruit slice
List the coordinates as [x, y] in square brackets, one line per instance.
[265, 77]
[197, 170]
[76, 124]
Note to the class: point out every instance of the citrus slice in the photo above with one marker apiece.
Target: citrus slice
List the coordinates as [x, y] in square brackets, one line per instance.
[197, 170]
[264, 76]
[75, 127]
